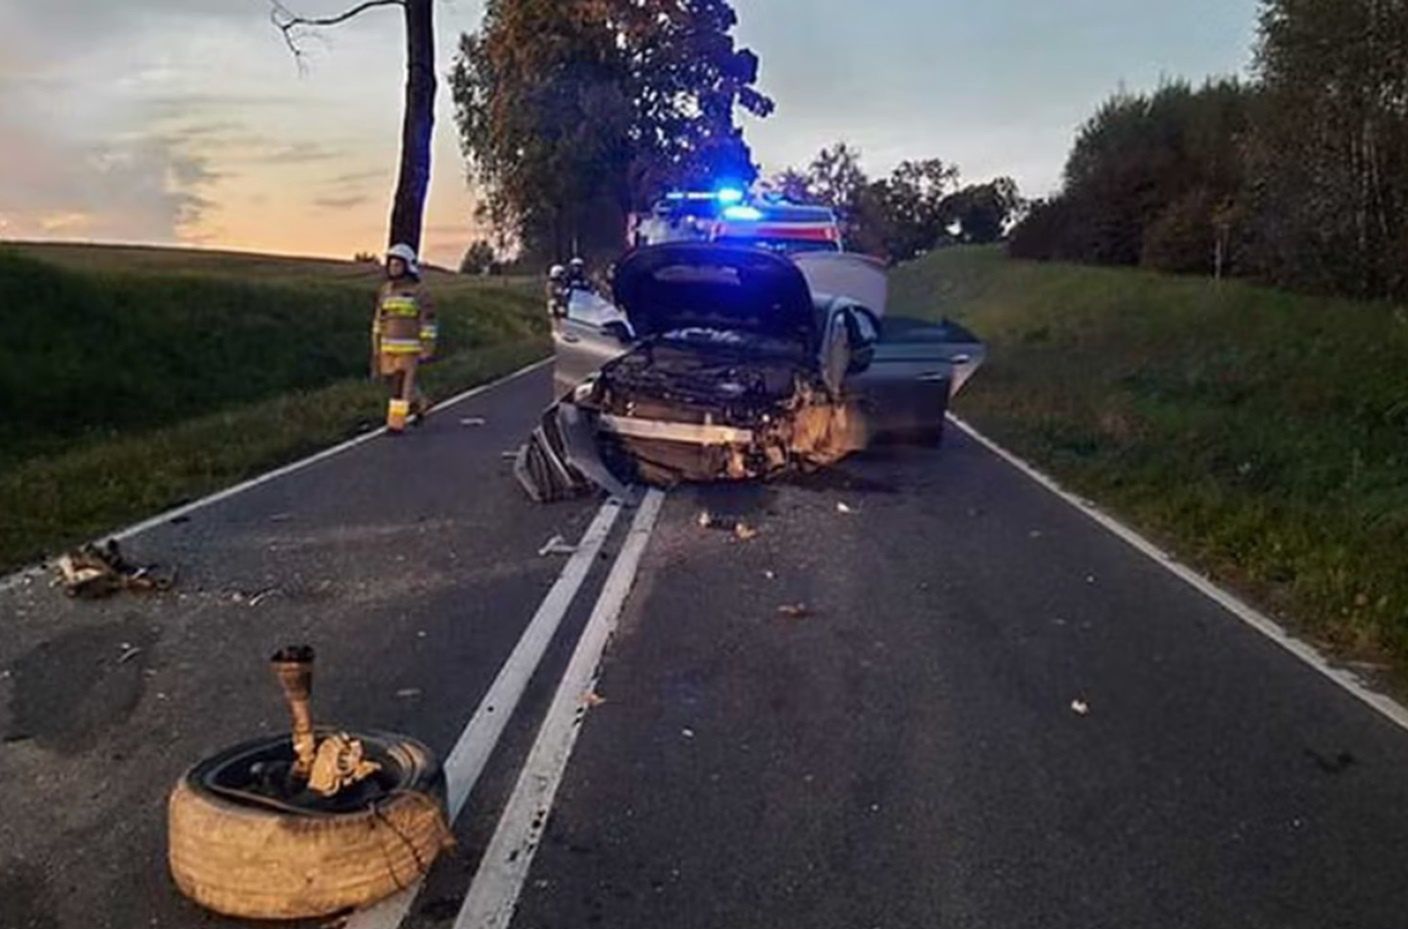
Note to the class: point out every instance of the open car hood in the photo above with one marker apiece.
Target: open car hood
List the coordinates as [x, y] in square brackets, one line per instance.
[683, 285]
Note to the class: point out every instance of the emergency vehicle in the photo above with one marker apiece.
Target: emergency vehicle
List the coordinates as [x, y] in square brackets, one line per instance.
[728, 217]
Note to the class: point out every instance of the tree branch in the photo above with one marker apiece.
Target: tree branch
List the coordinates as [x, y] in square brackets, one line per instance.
[287, 21]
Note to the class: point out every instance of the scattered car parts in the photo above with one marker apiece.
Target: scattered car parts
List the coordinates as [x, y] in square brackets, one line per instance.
[310, 825]
[91, 572]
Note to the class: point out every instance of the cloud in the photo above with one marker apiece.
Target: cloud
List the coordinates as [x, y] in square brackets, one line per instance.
[357, 177]
[131, 188]
[296, 153]
[341, 203]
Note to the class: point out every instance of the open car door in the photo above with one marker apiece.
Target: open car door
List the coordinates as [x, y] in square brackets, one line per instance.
[591, 334]
[904, 382]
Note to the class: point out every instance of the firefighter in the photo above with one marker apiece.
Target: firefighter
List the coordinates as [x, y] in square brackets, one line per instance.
[557, 292]
[577, 275]
[403, 337]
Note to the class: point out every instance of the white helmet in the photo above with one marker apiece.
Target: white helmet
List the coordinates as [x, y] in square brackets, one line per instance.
[556, 271]
[407, 254]
[578, 264]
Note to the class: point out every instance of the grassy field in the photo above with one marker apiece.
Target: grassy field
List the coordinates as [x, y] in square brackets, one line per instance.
[134, 378]
[1263, 436]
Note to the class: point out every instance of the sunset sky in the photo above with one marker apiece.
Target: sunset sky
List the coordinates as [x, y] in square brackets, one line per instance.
[186, 121]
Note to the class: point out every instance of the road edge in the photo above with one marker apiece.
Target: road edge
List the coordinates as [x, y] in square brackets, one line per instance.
[1385, 705]
[18, 577]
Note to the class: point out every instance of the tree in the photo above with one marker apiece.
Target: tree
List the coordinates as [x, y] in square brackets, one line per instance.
[1328, 157]
[418, 116]
[981, 213]
[479, 258]
[1164, 165]
[915, 202]
[571, 112]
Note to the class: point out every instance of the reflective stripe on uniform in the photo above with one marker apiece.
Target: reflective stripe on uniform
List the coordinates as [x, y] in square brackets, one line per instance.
[400, 346]
[400, 306]
[429, 333]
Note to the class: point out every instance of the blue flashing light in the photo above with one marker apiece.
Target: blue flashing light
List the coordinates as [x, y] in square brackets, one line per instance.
[675, 195]
[730, 195]
[743, 213]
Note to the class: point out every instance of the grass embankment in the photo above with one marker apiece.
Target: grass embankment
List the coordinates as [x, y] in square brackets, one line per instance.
[1261, 435]
[134, 379]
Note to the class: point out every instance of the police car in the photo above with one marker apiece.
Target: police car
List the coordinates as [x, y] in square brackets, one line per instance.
[729, 217]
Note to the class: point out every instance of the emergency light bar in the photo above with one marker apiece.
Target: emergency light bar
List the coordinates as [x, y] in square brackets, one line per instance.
[743, 213]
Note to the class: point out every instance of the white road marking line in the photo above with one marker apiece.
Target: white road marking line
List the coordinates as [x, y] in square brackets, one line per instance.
[187, 508]
[493, 895]
[1389, 708]
[480, 736]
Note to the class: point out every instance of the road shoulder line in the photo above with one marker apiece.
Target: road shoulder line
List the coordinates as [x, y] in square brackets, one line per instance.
[1385, 705]
[290, 468]
[493, 895]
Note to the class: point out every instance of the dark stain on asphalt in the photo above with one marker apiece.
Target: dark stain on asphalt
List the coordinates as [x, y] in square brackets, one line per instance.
[73, 687]
[22, 897]
[1337, 764]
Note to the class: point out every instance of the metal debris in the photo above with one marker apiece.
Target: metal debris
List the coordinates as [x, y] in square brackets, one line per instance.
[474, 421]
[94, 571]
[557, 545]
[1080, 707]
[794, 610]
[843, 508]
[340, 762]
[744, 532]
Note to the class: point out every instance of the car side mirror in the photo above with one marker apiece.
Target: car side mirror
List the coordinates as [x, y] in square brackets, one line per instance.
[619, 330]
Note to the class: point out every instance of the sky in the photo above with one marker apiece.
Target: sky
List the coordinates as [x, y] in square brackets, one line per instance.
[188, 122]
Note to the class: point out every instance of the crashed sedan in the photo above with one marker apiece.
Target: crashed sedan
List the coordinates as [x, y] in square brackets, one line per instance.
[716, 362]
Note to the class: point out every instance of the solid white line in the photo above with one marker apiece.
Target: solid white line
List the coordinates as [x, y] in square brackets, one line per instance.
[185, 509]
[476, 743]
[494, 893]
[1390, 709]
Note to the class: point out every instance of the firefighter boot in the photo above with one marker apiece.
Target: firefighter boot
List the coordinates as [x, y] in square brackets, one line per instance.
[397, 411]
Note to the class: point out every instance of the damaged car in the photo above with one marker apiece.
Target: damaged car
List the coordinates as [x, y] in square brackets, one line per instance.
[720, 362]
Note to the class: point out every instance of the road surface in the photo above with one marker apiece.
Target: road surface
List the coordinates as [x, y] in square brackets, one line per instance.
[978, 708]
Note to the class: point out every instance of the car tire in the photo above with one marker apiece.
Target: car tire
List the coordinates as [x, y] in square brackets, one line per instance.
[258, 859]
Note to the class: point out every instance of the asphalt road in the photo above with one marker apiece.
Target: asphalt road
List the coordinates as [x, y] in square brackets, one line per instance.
[899, 748]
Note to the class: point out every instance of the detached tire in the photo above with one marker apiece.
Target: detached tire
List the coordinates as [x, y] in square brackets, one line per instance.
[244, 857]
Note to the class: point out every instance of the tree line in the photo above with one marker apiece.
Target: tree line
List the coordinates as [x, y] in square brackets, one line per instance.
[1297, 176]
[573, 113]
[920, 206]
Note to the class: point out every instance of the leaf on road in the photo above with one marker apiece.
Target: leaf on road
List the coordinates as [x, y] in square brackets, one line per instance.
[794, 610]
[744, 532]
[595, 699]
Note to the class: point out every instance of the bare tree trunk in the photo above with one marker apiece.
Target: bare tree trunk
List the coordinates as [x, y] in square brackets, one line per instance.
[418, 125]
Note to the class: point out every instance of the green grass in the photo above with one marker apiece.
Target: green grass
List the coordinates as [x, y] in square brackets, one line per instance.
[1261, 435]
[134, 379]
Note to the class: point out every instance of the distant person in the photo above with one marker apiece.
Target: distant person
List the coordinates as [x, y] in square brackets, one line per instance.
[403, 336]
[577, 278]
[557, 292]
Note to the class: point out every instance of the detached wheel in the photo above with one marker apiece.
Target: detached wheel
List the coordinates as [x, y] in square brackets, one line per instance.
[240, 846]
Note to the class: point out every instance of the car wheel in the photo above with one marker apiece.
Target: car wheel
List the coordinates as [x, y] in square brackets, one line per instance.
[242, 852]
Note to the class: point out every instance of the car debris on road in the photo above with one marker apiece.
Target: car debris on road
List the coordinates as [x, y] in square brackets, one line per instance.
[95, 571]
